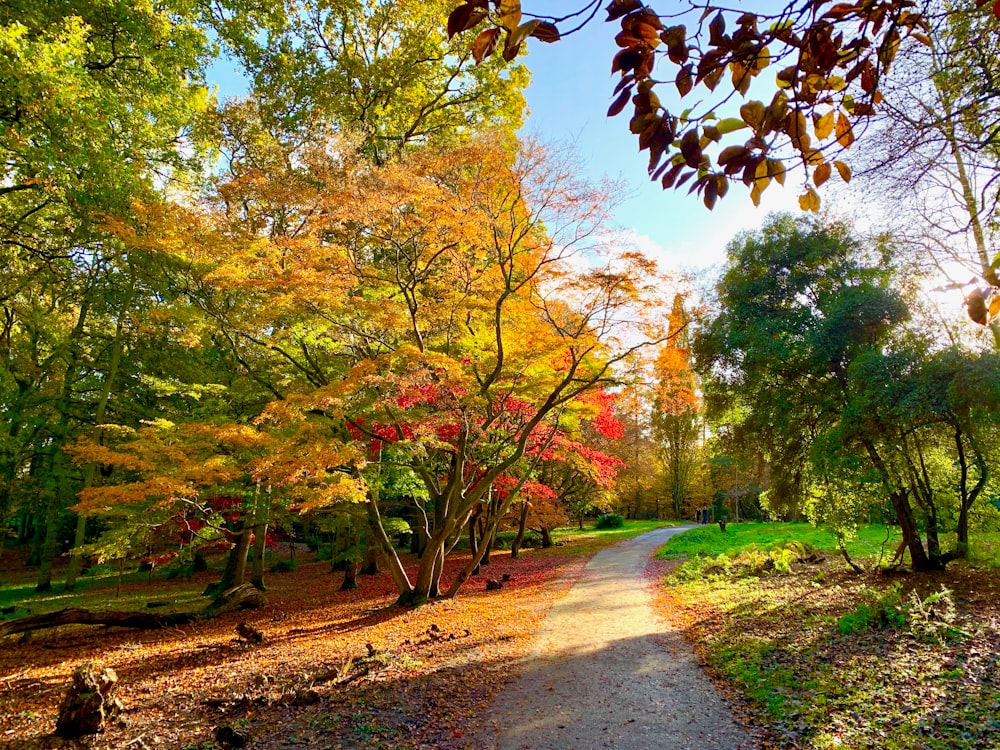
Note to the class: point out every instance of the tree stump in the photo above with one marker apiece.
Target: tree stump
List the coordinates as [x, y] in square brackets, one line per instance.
[244, 596]
[722, 524]
[89, 702]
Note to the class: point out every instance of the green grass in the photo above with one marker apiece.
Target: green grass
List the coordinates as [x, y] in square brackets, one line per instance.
[710, 540]
[575, 541]
[98, 593]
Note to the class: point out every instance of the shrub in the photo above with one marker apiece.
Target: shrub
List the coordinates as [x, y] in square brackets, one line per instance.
[610, 521]
[882, 612]
[284, 566]
[934, 618]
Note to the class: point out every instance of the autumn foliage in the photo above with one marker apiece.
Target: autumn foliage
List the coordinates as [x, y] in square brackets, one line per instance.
[442, 323]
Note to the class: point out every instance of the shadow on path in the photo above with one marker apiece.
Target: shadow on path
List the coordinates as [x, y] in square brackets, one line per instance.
[604, 672]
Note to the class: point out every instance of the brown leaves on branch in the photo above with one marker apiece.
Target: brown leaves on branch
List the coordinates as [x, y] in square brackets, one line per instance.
[826, 58]
[983, 303]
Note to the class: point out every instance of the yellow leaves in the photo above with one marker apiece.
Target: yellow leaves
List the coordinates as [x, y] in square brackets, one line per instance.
[843, 170]
[823, 125]
[510, 14]
[761, 180]
[753, 114]
[795, 126]
[776, 170]
[845, 135]
[821, 174]
[809, 201]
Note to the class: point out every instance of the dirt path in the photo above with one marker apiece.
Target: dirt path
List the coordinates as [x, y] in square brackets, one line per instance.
[606, 672]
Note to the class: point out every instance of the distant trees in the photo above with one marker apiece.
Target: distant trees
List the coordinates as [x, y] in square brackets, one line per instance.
[675, 409]
[810, 349]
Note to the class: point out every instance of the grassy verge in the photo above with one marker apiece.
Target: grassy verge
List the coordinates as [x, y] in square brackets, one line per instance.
[576, 541]
[710, 540]
[828, 659]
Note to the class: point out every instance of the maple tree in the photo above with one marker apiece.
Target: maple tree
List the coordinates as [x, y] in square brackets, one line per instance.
[422, 317]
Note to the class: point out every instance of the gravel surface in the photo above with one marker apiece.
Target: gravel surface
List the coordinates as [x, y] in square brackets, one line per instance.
[606, 672]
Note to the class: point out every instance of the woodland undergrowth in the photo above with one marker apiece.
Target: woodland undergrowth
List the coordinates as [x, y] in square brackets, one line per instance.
[825, 658]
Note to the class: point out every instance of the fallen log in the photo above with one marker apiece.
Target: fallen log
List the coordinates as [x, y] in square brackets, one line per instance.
[239, 597]
[77, 616]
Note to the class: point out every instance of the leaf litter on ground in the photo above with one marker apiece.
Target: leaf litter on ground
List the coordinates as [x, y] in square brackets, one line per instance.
[777, 643]
[335, 669]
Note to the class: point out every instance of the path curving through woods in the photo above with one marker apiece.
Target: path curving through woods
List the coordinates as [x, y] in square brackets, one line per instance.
[605, 672]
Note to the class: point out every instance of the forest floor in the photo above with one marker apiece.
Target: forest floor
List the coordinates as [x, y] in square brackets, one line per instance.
[336, 669]
[826, 658]
[820, 658]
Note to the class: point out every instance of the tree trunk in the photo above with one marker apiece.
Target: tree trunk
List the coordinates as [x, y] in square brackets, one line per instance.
[486, 541]
[396, 570]
[47, 550]
[76, 561]
[350, 575]
[911, 536]
[546, 537]
[257, 557]
[474, 543]
[76, 616]
[236, 563]
[261, 520]
[58, 473]
[370, 565]
[522, 521]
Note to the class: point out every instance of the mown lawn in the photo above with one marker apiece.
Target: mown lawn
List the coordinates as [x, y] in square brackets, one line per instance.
[830, 659]
[711, 540]
[572, 540]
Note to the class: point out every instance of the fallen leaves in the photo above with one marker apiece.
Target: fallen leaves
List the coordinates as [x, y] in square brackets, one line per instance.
[335, 668]
[775, 641]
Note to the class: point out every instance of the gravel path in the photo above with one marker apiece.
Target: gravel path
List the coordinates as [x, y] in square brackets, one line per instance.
[606, 672]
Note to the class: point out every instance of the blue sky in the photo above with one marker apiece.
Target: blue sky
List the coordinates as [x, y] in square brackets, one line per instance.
[568, 100]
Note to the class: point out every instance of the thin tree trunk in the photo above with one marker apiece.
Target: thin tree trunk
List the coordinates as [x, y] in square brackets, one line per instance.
[396, 570]
[522, 522]
[474, 543]
[546, 537]
[57, 458]
[261, 521]
[236, 563]
[350, 575]
[76, 562]
[370, 565]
